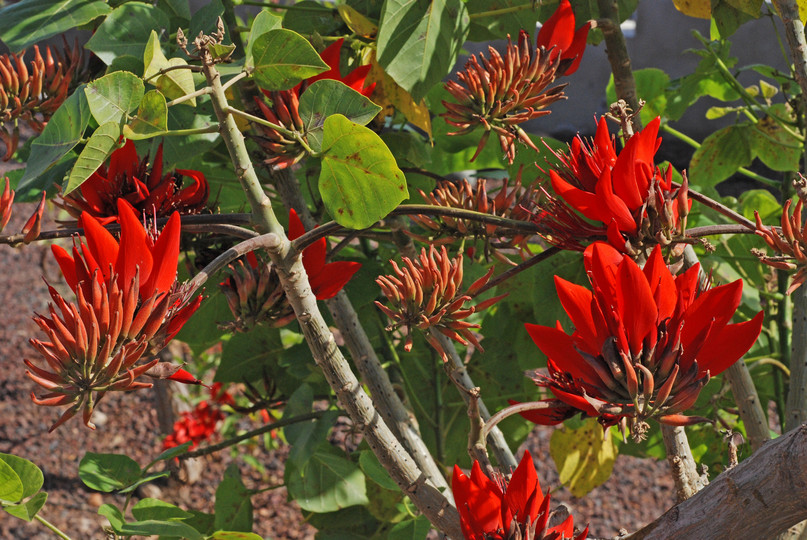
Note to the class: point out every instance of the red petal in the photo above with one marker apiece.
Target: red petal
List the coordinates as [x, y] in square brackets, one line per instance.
[66, 264]
[559, 347]
[635, 303]
[296, 228]
[101, 244]
[134, 251]
[558, 30]
[577, 48]
[722, 350]
[333, 277]
[578, 302]
[715, 307]
[522, 488]
[165, 255]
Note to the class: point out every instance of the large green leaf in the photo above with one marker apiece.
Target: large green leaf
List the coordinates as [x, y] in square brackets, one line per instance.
[62, 134]
[305, 437]
[233, 503]
[245, 357]
[11, 488]
[719, 156]
[173, 84]
[126, 30]
[328, 97]
[112, 97]
[419, 40]
[313, 17]
[775, 147]
[157, 510]
[263, 23]
[108, 472]
[151, 119]
[360, 182]
[29, 474]
[495, 26]
[205, 18]
[28, 509]
[327, 482]
[283, 58]
[27, 22]
[95, 152]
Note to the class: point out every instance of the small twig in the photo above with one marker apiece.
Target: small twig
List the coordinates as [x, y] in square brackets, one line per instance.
[718, 207]
[163, 71]
[529, 263]
[261, 121]
[518, 408]
[198, 93]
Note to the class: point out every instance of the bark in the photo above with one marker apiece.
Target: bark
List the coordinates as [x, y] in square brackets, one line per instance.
[618, 57]
[758, 498]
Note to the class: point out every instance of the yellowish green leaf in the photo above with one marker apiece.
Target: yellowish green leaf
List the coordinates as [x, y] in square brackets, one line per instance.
[584, 456]
[388, 93]
[173, 84]
[694, 8]
[357, 22]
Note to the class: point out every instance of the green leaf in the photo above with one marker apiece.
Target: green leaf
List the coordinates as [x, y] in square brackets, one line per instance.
[173, 452]
[173, 84]
[204, 20]
[151, 119]
[27, 22]
[108, 472]
[313, 18]
[112, 97]
[327, 97]
[29, 474]
[219, 51]
[11, 488]
[63, 132]
[234, 535]
[245, 357]
[651, 86]
[413, 529]
[419, 40]
[29, 508]
[95, 152]
[233, 503]
[360, 182]
[775, 147]
[583, 457]
[284, 58]
[373, 469]
[490, 27]
[305, 437]
[201, 331]
[720, 155]
[126, 30]
[162, 528]
[327, 482]
[263, 23]
[179, 8]
[113, 514]
[157, 510]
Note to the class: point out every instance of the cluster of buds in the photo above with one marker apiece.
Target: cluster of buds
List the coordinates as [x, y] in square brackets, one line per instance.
[425, 294]
[33, 94]
[644, 344]
[6, 201]
[141, 184]
[199, 424]
[127, 305]
[30, 231]
[283, 150]
[502, 509]
[255, 296]
[511, 202]
[502, 92]
[791, 242]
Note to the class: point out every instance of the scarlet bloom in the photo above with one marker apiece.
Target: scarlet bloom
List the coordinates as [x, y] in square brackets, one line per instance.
[507, 510]
[126, 305]
[559, 35]
[149, 191]
[645, 342]
[283, 110]
[200, 424]
[631, 197]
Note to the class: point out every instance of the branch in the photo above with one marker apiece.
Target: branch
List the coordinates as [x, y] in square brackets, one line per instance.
[759, 497]
[618, 57]
[687, 480]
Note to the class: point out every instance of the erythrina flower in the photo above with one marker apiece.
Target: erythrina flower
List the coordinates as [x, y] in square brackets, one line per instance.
[559, 35]
[790, 240]
[283, 150]
[507, 510]
[644, 343]
[626, 192]
[126, 306]
[199, 424]
[148, 191]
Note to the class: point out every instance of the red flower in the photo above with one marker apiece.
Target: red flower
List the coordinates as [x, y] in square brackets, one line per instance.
[326, 279]
[558, 32]
[507, 510]
[625, 192]
[645, 342]
[195, 426]
[126, 306]
[282, 150]
[148, 191]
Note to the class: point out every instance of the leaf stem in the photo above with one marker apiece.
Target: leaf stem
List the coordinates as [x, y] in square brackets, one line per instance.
[181, 99]
[51, 526]
[261, 121]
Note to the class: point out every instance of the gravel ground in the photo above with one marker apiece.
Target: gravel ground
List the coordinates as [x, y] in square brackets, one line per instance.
[635, 494]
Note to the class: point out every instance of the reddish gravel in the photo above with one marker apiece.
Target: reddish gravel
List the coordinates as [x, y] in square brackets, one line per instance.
[635, 494]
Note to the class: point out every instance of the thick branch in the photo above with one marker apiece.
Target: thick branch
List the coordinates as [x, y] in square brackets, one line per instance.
[687, 480]
[759, 497]
[618, 57]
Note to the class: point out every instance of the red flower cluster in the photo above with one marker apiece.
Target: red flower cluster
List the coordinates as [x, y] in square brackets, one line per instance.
[790, 241]
[254, 292]
[148, 191]
[514, 510]
[199, 424]
[283, 111]
[126, 306]
[645, 341]
[626, 192]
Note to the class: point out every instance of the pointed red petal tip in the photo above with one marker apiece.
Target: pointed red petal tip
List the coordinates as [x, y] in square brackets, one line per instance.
[184, 377]
[33, 226]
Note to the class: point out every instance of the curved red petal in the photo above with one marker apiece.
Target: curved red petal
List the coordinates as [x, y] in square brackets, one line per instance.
[101, 244]
[134, 251]
[722, 350]
[165, 255]
[332, 278]
[559, 347]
